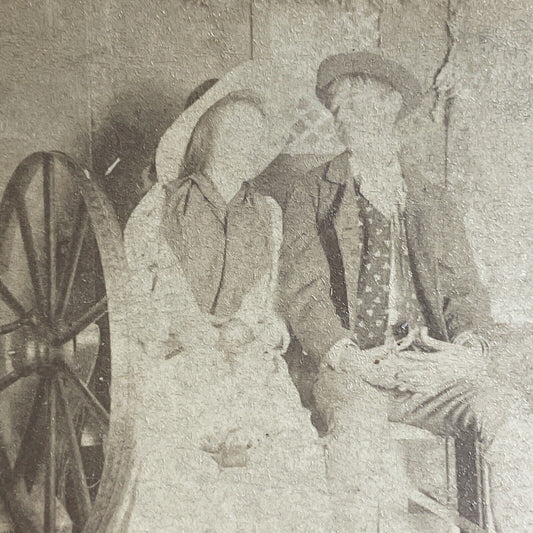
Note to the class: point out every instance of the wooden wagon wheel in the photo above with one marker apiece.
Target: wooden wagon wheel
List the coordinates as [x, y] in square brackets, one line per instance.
[48, 323]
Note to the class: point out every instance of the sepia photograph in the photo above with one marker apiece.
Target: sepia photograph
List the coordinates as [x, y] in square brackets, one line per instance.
[266, 266]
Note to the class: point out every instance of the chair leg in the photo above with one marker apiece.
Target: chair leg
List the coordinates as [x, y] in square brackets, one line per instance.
[470, 490]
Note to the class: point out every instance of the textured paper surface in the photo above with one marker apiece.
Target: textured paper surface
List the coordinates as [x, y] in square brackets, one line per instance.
[106, 82]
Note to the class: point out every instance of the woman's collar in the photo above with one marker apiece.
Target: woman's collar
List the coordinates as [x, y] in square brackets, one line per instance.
[210, 192]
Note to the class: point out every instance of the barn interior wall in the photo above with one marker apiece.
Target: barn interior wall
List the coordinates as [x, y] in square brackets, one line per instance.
[102, 79]
[490, 148]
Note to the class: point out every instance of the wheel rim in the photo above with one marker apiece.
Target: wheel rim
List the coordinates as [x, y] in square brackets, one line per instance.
[50, 329]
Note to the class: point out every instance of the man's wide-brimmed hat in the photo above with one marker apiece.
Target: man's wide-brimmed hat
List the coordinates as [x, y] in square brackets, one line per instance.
[375, 67]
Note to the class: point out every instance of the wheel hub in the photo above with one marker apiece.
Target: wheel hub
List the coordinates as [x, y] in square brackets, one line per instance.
[37, 352]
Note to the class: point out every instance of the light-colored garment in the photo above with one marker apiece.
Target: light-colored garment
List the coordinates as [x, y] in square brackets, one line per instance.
[221, 441]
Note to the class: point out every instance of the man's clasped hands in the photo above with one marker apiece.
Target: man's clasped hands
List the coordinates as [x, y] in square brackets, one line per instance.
[417, 363]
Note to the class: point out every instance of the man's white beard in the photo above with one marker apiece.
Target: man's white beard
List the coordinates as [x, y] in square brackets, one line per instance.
[374, 161]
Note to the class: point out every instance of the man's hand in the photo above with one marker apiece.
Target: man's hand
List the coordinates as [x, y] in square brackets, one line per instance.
[384, 370]
[376, 366]
[447, 363]
[416, 364]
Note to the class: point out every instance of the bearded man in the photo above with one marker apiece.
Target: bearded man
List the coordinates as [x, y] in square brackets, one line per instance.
[370, 256]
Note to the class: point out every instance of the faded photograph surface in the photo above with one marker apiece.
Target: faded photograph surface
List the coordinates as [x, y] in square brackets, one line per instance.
[265, 266]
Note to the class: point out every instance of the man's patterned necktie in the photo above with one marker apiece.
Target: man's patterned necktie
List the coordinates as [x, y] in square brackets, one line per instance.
[375, 276]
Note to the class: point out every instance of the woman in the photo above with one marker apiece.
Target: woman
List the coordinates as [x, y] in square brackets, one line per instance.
[222, 442]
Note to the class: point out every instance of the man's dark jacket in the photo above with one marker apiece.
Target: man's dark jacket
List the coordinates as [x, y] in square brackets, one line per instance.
[316, 254]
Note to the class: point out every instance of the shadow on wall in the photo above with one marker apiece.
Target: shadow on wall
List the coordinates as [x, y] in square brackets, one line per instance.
[123, 146]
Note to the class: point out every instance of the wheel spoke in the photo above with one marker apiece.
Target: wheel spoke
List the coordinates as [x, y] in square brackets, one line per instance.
[78, 473]
[9, 379]
[99, 411]
[13, 326]
[97, 311]
[75, 246]
[50, 480]
[11, 301]
[50, 233]
[28, 456]
[31, 253]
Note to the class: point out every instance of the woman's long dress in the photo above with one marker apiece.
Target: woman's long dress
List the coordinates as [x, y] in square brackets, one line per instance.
[220, 441]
